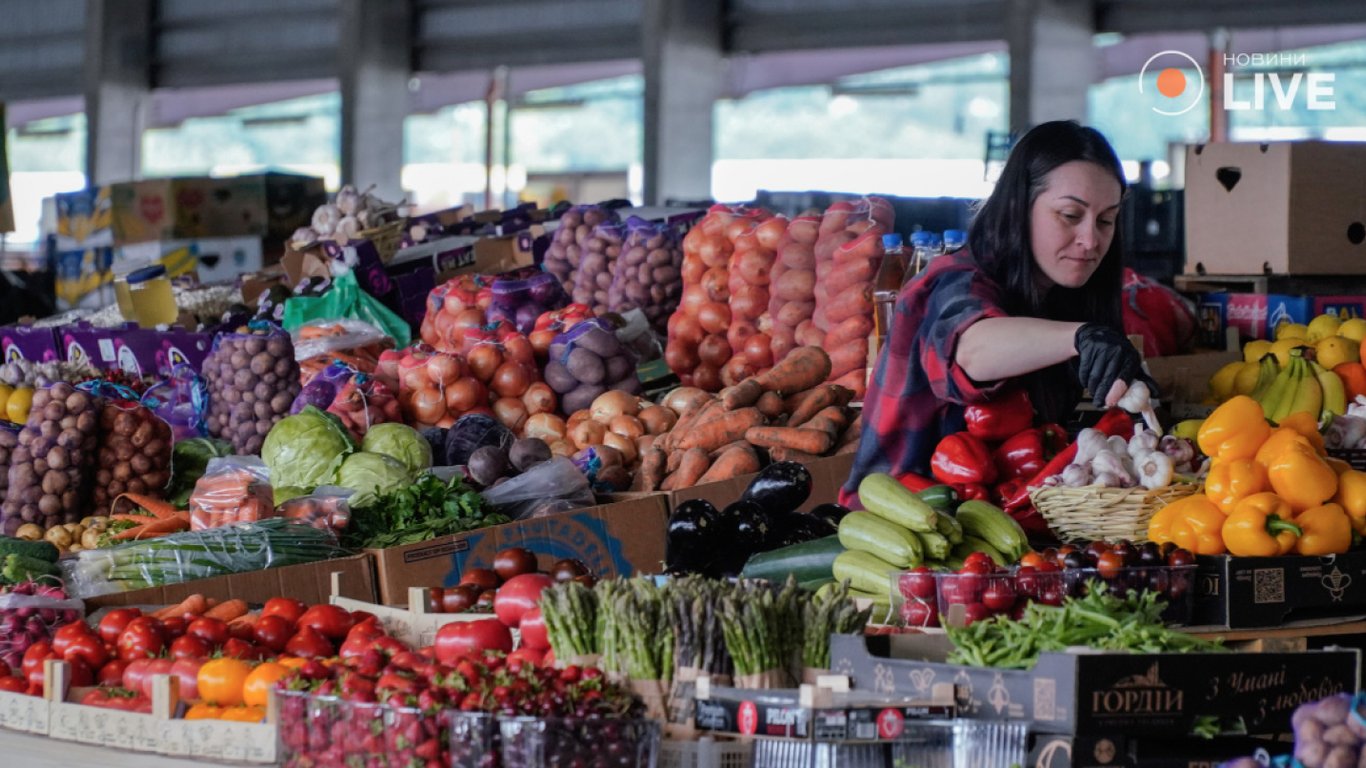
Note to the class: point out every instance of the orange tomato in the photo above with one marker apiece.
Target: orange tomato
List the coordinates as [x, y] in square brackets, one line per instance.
[291, 662]
[1353, 377]
[243, 714]
[203, 711]
[1032, 559]
[256, 688]
[221, 680]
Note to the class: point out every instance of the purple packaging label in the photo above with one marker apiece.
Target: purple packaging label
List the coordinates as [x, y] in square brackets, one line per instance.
[136, 351]
[456, 258]
[22, 342]
[369, 270]
[413, 290]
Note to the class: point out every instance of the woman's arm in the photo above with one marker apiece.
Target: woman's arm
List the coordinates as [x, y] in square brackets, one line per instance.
[1003, 347]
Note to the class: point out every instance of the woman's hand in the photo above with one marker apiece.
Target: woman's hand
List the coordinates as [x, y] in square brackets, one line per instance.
[1108, 363]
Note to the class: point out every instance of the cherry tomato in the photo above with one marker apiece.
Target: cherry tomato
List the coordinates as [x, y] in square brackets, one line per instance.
[1031, 559]
[1180, 557]
[1109, 564]
[978, 562]
[518, 595]
[173, 627]
[238, 648]
[483, 578]
[998, 596]
[328, 620]
[114, 622]
[212, 631]
[459, 639]
[273, 632]
[1027, 581]
[917, 613]
[141, 639]
[190, 647]
[514, 561]
[284, 607]
[975, 612]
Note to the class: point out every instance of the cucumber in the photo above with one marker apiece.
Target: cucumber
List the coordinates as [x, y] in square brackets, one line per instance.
[865, 572]
[866, 532]
[942, 497]
[893, 502]
[948, 526]
[936, 546]
[39, 550]
[991, 524]
[808, 561]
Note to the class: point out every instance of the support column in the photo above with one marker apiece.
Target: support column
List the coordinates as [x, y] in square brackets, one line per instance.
[1052, 60]
[118, 55]
[684, 76]
[375, 59]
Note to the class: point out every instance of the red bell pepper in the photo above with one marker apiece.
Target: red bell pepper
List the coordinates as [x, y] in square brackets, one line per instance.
[1007, 415]
[961, 458]
[1026, 453]
[973, 491]
[913, 482]
[1114, 422]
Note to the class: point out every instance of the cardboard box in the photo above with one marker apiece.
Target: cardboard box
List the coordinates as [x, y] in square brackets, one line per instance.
[310, 582]
[827, 476]
[1238, 592]
[24, 342]
[1117, 750]
[1184, 379]
[257, 283]
[269, 206]
[1286, 208]
[213, 259]
[614, 539]
[1253, 315]
[1094, 692]
[84, 215]
[1341, 307]
[139, 351]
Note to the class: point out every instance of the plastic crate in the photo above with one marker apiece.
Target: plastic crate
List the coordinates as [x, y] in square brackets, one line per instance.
[554, 742]
[987, 742]
[706, 753]
[325, 730]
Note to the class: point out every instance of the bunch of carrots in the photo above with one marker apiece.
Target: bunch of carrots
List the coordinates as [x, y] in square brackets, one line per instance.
[138, 517]
[230, 612]
[363, 358]
[787, 412]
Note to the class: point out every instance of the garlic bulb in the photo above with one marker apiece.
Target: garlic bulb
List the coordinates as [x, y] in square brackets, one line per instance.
[348, 200]
[348, 229]
[325, 220]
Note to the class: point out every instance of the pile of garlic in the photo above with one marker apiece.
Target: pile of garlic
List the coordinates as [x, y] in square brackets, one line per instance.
[1147, 459]
[343, 219]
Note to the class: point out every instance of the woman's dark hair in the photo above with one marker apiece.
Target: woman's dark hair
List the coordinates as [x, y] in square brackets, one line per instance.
[999, 237]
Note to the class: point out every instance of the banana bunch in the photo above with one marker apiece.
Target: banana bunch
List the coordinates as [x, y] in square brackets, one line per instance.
[1300, 386]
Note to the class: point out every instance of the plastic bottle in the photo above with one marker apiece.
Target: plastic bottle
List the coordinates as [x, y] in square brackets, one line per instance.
[954, 240]
[922, 250]
[887, 285]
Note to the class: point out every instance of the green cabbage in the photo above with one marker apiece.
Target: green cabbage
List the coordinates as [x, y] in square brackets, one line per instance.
[284, 493]
[372, 474]
[401, 442]
[189, 461]
[305, 449]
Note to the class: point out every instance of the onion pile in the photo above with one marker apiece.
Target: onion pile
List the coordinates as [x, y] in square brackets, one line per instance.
[792, 297]
[750, 267]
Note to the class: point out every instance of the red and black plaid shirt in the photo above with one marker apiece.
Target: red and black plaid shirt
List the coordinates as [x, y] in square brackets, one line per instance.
[918, 392]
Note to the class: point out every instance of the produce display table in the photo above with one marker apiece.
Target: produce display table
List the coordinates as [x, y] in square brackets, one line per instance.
[1337, 628]
[33, 751]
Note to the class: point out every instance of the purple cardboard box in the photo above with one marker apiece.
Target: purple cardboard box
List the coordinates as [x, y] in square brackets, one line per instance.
[134, 350]
[411, 292]
[24, 342]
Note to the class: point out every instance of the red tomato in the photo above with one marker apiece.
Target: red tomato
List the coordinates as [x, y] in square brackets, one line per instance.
[309, 643]
[173, 627]
[154, 667]
[368, 628]
[110, 698]
[273, 632]
[35, 656]
[519, 595]
[141, 639]
[529, 656]
[534, 634]
[134, 673]
[186, 672]
[190, 647]
[13, 684]
[284, 607]
[459, 639]
[80, 673]
[212, 631]
[238, 648]
[112, 672]
[329, 621]
[113, 623]
[77, 640]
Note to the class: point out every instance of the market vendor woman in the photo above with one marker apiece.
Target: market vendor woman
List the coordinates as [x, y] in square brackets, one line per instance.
[1032, 303]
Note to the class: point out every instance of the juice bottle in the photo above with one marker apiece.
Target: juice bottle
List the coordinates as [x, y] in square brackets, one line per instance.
[887, 286]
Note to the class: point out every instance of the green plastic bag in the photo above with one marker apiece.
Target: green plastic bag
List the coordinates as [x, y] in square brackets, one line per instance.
[346, 299]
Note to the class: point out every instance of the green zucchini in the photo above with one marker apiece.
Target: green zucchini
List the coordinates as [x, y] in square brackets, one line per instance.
[990, 523]
[942, 497]
[38, 550]
[936, 546]
[866, 532]
[974, 544]
[865, 572]
[808, 561]
[948, 526]
[893, 502]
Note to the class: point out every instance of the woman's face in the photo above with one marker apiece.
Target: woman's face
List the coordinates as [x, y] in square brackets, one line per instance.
[1072, 222]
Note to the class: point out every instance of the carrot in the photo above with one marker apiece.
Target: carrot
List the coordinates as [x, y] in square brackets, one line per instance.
[194, 605]
[150, 529]
[787, 454]
[726, 429]
[851, 447]
[672, 461]
[830, 420]
[735, 461]
[245, 620]
[651, 474]
[853, 432]
[813, 441]
[803, 405]
[742, 395]
[849, 356]
[227, 610]
[741, 443]
[155, 507]
[855, 380]
[771, 405]
[803, 368]
[692, 466]
[686, 423]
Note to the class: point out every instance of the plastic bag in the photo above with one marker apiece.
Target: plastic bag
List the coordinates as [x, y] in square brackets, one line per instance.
[320, 342]
[252, 380]
[521, 302]
[328, 508]
[454, 307]
[134, 454]
[792, 284]
[587, 361]
[571, 244]
[180, 557]
[648, 274]
[345, 299]
[234, 489]
[30, 612]
[848, 254]
[358, 399]
[549, 487]
[182, 401]
[751, 264]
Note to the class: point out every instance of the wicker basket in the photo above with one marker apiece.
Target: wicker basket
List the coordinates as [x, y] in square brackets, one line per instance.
[386, 237]
[1093, 512]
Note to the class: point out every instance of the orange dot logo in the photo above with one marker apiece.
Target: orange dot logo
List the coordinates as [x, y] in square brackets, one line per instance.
[1171, 82]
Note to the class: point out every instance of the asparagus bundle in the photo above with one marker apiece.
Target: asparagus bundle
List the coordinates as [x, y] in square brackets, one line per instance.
[571, 621]
[762, 626]
[829, 612]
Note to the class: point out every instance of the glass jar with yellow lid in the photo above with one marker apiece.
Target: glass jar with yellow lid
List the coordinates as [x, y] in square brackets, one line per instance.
[149, 291]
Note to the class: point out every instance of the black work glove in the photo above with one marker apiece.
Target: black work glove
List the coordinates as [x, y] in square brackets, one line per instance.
[1105, 356]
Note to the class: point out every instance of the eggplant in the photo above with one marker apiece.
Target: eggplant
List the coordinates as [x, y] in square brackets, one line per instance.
[691, 537]
[795, 527]
[741, 531]
[830, 513]
[782, 486]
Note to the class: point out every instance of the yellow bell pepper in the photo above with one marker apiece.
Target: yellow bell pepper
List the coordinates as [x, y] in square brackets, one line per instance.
[1327, 531]
[1260, 527]
[1351, 496]
[1229, 482]
[1281, 439]
[1235, 430]
[1192, 523]
[1308, 427]
[1302, 478]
